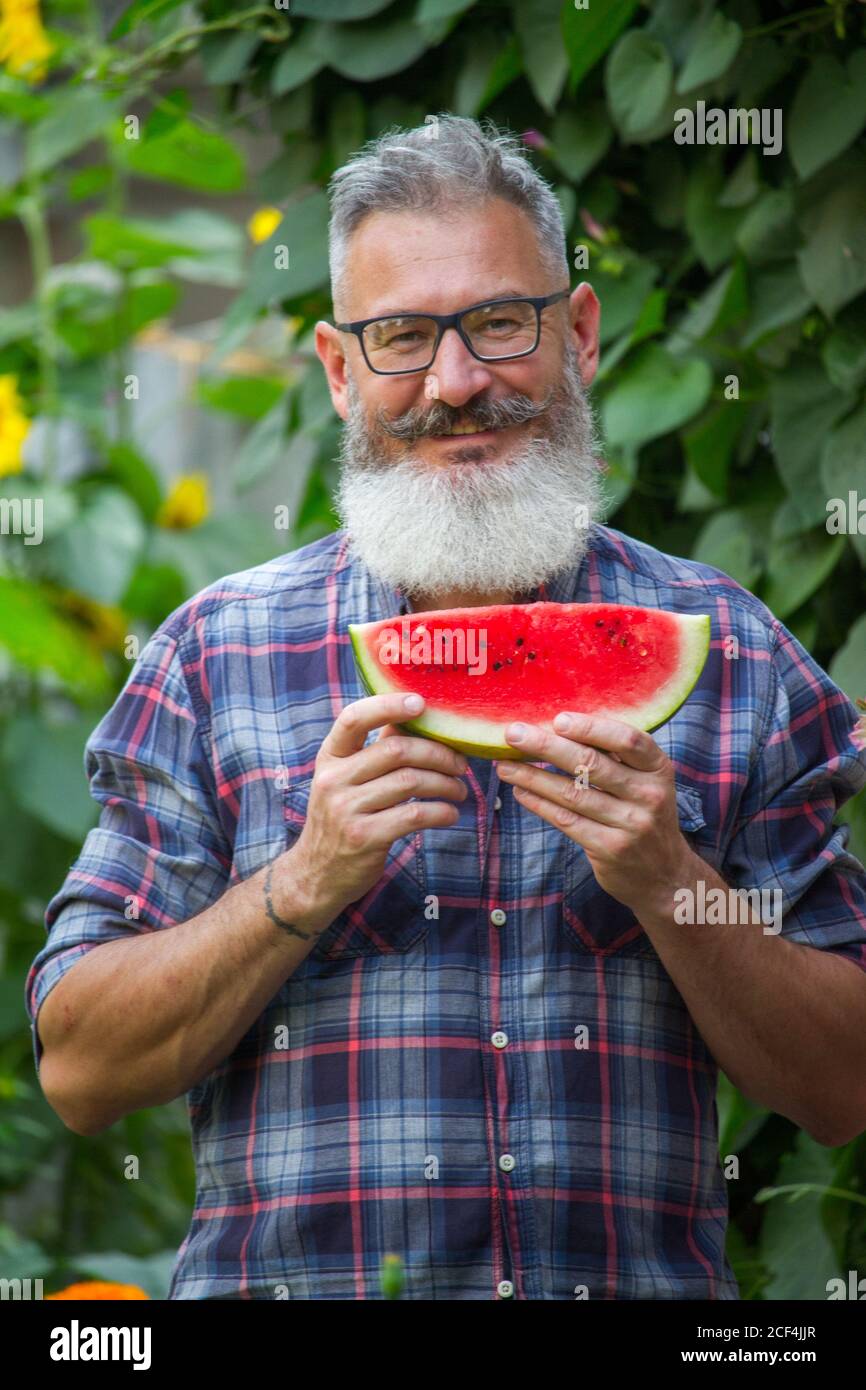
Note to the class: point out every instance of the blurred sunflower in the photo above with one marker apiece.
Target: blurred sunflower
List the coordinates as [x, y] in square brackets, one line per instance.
[264, 223]
[24, 45]
[96, 1288]
[107, 624]
[14, 425]
[858, 733]
[187, 504]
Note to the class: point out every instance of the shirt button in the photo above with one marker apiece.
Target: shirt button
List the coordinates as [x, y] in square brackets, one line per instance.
[497, 805]
[506, 1162]
[505, 1288]
[499, 1039]
[498, 917]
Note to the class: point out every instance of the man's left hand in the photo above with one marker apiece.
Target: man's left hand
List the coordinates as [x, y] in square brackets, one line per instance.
[617, 800]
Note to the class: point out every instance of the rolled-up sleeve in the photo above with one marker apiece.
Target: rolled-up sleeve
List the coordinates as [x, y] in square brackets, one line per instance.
[158, 855]
[808, 766]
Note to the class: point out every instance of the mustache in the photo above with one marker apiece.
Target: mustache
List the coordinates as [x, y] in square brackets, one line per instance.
[440, 417]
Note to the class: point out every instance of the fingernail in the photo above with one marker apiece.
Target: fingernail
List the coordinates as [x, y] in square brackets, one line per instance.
[516, 733]
[413, 704]
[562, 723]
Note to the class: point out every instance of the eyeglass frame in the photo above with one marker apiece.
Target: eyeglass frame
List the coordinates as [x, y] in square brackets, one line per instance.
[446, 321]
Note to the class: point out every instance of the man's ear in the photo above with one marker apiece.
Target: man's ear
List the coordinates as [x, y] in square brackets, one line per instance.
[330, 352]
[585, 312]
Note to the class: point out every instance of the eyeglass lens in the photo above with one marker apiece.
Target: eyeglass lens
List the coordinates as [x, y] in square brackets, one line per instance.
[407, 343]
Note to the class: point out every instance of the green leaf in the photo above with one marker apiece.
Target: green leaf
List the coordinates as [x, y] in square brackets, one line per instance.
[484, 75]
[797, 567]
[250, 397]
[709, 445]
[581, 139]
[778, 298]
[39, 638]
[199, 554]
[304, 231]
[538, 27]
[843, 351]
[346, 125]
[45, 772]
[828, 113]
[290, 169]
[710, 226]
[135, 476]
[654, 393]
[833, 261]
[848, 667]
[77, 117]
[651, 319]
[150, 1272]
[768, 231]
[728, 543]
[225, 57]
[300, 60]
[131, 245]
[621, 296]
[141, 12]
[263, 447]
[638, 80]
[744, 185]
[715, 47]
[725, 302]
[186, 155]
[429, 11]
[795, 1245]
[590, 32]
[804, 406]
[367, 52]
[97, 555]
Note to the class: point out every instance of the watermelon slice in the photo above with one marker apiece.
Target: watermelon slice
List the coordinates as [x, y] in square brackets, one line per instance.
[480, 669]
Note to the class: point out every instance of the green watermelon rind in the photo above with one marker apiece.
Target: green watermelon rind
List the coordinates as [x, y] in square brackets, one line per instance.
[467, 735]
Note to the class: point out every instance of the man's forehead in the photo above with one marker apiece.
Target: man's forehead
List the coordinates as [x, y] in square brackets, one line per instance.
[433, 260]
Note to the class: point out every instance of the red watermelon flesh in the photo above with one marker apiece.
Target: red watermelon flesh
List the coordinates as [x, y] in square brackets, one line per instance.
[479, 669]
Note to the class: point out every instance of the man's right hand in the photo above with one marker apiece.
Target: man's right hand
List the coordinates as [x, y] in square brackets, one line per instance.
[359, 799]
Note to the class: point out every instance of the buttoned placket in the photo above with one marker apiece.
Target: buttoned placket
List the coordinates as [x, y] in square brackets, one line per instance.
[498, 1039]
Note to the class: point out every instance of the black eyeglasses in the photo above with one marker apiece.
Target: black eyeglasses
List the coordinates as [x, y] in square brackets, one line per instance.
[493, 331]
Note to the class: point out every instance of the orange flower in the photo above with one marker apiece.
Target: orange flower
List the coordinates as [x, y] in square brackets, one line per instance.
[95, 1288]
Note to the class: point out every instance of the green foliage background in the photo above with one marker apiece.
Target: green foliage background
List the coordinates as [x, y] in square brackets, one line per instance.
[708, 261]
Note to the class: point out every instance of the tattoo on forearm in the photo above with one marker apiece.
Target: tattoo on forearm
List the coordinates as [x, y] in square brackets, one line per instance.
[288, 927]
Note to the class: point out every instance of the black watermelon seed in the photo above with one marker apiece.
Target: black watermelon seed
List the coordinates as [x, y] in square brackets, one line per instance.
[519, 642]
[599, 622]
[497, 665]
[530, 656]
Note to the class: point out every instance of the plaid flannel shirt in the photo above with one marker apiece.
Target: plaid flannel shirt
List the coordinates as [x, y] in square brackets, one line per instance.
[418, 1085]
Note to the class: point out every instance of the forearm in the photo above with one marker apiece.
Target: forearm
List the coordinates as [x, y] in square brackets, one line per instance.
[785, 1022]
[139, 1021]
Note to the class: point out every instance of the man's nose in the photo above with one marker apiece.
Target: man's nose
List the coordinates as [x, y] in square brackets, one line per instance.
[455, 376]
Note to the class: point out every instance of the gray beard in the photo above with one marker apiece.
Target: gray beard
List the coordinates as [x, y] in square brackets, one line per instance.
[474, 527]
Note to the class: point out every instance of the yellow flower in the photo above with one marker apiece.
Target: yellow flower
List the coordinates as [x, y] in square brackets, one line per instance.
[96, 1288]
[187, 504]
[14, 426]
[264, 223]
[24, 44]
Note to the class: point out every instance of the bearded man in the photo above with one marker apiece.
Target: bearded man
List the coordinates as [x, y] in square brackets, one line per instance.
[432, 1006]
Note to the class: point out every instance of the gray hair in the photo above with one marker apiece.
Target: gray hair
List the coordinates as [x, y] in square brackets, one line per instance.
[440, 166]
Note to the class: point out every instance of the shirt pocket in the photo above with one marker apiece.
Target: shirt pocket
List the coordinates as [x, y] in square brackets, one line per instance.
[390, 918]
[599, 924]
